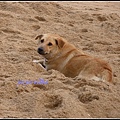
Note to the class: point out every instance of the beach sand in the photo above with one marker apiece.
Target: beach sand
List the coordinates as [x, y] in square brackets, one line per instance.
[93, 27]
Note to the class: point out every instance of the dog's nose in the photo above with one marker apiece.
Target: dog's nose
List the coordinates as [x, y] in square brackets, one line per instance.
[40, 50]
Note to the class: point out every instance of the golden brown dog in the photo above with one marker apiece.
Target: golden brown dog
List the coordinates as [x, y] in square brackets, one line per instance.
[62, 56]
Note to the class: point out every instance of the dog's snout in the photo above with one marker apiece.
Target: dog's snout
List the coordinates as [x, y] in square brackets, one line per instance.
[40, 50]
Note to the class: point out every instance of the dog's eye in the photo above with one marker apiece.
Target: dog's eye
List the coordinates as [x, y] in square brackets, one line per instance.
[49, 44]
[42, 40]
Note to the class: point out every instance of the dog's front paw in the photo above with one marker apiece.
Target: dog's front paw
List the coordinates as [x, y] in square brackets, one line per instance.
[37, 61]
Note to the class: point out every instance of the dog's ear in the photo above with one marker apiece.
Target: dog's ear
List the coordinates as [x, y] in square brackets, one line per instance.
[59, 42]
[39, 36]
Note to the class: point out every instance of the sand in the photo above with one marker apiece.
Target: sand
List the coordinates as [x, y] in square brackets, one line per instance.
[93, 27]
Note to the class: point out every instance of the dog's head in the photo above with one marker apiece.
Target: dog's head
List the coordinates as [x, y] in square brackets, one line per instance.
[49, 44]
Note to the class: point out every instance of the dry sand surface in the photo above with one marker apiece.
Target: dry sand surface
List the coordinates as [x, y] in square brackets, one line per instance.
[93, 27]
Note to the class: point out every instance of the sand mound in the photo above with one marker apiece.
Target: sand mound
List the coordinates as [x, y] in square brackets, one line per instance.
[91, 26]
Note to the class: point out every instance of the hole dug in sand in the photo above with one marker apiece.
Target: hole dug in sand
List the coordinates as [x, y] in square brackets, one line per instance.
[86, 97]
[52, 101]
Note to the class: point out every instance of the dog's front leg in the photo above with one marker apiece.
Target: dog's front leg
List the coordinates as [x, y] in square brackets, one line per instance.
[41, 63]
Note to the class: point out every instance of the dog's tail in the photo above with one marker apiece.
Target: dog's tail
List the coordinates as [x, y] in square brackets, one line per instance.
[109, 73]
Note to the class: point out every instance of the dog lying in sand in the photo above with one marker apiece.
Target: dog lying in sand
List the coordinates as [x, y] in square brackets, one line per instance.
[62, 56]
